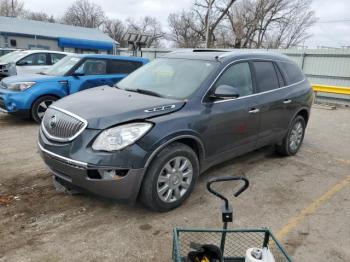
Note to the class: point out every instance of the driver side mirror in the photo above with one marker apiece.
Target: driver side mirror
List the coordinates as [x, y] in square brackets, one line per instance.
[77, 74]
[22, 63]
[225, 92]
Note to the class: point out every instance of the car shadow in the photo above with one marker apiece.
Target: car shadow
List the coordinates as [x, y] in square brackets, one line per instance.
[8, 119]
[246, 161]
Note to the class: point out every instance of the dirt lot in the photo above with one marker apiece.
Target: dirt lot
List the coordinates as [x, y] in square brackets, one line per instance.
[304, 199]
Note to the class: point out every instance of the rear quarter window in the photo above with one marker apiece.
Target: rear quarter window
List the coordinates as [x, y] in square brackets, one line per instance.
[122, 66]
[294, 73]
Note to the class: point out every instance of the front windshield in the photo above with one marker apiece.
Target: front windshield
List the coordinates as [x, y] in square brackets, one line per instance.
[11, 57]
[63, 66]
[173, 78]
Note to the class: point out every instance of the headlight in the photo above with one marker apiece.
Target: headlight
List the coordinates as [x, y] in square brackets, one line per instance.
[20, 86]
[119, 137]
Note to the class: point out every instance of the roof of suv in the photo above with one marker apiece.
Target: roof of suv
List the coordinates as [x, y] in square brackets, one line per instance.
[213, 55]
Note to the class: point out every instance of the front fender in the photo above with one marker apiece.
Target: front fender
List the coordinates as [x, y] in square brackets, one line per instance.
[173, 137]
[29, 96]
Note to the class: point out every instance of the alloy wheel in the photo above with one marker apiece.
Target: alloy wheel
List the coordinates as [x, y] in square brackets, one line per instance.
[296, 135]
[174, 179]
[43, 107]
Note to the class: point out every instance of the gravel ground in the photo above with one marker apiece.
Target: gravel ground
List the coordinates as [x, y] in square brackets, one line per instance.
[38, 224]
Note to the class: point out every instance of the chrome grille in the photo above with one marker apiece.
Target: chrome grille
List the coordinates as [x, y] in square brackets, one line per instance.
[62, 126]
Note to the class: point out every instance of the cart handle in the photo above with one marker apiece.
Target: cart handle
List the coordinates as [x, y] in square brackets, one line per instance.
[228, 178]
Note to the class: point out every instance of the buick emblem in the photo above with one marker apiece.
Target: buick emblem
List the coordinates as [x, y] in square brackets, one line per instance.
[53, 122]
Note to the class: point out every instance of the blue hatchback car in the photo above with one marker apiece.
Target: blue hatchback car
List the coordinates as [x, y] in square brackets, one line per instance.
[32, 94]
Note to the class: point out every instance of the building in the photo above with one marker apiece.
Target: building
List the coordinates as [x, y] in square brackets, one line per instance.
[30, 34]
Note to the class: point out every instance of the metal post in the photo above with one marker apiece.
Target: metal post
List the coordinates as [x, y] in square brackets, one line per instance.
[207, 42]
[303, 60]
[266, 239]
[13, 9]
[223, 239]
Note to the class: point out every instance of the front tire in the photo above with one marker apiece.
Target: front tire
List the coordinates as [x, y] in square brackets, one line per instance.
[40, 106]
[170, 178]
[291, 143]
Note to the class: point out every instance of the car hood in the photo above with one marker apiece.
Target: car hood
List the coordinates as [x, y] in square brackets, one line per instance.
[107, 106]
[32, 77]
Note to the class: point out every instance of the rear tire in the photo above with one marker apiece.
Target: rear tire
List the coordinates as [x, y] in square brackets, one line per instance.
[40, 106]
[170, 178]
[291, 143]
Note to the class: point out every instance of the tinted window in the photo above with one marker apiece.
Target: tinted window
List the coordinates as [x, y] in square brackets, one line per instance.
[56, 57]
[92, 67]
[266, 76]
[279, 76]
[122, 67]
[238, 76]
[293, 72]
[34, 59]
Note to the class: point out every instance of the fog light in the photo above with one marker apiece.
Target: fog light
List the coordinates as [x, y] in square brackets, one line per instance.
[109, 174]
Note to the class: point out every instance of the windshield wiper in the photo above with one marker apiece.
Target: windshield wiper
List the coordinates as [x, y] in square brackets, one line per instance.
[145, 92]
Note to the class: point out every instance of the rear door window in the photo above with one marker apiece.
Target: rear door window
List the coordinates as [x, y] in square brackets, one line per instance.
[293, 72]
[55, 57]
[238, 76]
[93, 67]
[266, 76]
[122, 66]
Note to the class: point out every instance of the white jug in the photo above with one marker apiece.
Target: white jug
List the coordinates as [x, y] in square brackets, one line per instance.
[259, 255]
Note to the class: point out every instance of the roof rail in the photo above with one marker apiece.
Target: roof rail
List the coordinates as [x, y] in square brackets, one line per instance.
[209, 50]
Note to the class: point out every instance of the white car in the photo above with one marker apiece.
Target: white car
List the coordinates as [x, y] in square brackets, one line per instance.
[28, 61]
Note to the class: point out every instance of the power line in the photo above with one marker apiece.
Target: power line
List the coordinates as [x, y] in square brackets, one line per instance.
[334, 21]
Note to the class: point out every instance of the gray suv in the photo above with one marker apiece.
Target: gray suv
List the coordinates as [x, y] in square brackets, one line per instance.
[151, 136]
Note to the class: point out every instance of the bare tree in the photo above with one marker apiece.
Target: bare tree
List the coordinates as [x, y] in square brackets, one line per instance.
[116, 29]
[210, 13]
[38, 16]
[181, 30]
[270, 23]
[84, 13]
[146, 25]
[11, 8]
[292, 29]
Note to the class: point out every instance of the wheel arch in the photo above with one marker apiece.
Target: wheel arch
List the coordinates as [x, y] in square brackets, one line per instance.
[303, 113]
[192, 141]
[36, 99]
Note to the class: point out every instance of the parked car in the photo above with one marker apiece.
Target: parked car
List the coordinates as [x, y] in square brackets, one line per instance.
[32, 94]
[4, 51]
[166, 123]
[28, 61]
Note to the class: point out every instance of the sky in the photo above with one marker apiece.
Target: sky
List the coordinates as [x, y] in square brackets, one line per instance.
[331, 30]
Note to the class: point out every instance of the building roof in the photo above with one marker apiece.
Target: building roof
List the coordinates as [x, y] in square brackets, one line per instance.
[119, 57]
[52, 30]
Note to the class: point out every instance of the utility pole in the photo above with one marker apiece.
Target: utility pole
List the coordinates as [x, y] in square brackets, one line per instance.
[207, 42]
[13, 9]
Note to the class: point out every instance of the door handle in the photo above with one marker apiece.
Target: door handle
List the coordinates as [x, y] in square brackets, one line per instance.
[254, 110]
[287, 101]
